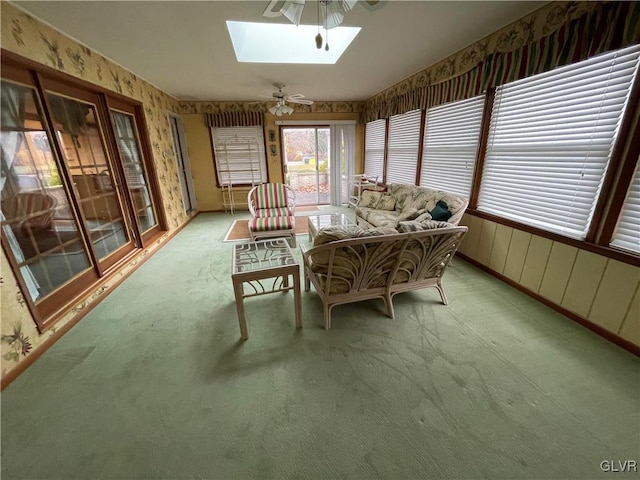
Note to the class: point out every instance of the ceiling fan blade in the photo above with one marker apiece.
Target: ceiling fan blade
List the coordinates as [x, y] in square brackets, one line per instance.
[295, 95]
[302, 101]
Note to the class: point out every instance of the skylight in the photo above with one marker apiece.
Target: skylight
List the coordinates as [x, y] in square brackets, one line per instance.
[277, 43]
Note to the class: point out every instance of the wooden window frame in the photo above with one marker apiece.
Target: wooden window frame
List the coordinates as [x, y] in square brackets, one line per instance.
[137, 112]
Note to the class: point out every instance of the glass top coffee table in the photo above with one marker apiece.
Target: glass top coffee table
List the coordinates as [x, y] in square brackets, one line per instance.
[316, 222]
[263, 267]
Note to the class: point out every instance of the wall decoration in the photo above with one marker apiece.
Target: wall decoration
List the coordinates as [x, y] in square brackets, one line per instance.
[273, 150]
[272, 135]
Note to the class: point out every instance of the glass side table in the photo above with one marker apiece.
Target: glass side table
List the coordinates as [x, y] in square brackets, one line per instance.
[263, 267]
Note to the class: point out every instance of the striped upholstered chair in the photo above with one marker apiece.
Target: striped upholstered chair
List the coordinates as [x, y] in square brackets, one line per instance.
[272, 207]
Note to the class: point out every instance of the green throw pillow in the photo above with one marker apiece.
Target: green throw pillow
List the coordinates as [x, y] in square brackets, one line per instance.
[441, 212]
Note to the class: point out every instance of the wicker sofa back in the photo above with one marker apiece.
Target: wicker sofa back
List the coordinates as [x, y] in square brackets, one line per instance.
[379, 266]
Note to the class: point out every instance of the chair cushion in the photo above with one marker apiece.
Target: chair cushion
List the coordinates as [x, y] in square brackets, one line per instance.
[333, 234]
[386, 202]
[369, 199]
[343, 257]
[274, 212]
[383, 218]
[415, 226]
[271, 195]
[269, 224]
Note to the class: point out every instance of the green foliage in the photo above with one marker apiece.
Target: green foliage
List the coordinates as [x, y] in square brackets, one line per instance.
[55, 178]
[324, 166]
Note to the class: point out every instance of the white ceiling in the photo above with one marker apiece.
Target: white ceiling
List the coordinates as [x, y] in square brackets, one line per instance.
[183, 47]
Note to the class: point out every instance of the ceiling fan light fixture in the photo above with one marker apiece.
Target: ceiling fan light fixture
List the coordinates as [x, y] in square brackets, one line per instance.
[280, 109]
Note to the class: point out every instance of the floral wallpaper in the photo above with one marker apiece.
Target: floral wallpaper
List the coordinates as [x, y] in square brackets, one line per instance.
[26, 36]
[533, 27]
[316, 107]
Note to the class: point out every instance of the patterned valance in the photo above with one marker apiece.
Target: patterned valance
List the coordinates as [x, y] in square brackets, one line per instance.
[235, 119]
[603, 27]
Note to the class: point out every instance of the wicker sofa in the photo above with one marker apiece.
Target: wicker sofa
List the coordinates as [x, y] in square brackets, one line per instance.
[351, 264]
[408, 202]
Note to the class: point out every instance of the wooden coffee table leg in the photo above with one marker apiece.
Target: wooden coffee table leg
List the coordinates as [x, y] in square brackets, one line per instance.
[237, 290]
[297, 299]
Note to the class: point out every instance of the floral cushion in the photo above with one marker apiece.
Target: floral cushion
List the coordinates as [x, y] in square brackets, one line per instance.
[423, 216]
[409, 226]
[374, 232]
[418, 199]
[409, 214]
[363, 212]
[401, 192]
[333, 234]
[383, 218]
[387, 202]
[454, 202]
[369, 199]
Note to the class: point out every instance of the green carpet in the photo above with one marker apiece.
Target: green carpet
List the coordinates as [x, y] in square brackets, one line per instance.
[154, 383]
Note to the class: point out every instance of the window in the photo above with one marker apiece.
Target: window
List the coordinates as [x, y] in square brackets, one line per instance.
[451, 136]
[550, 141]
[627, 234]
[374, 149]
[135, 174]
[42, 233]
[404, 141]
[239, 155]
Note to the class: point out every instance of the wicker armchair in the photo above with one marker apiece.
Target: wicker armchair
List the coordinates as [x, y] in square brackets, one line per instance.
[30, 211]
[272, 207]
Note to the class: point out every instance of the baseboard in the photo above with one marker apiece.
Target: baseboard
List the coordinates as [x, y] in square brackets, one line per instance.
[44, 346]
[612, 337]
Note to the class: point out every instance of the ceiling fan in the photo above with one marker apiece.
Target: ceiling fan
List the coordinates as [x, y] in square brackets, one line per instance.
[281, 107]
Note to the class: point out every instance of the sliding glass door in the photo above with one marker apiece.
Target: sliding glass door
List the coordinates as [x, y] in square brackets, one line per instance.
[76, 189]
[306, 163]
[38, 222]
[80, 135]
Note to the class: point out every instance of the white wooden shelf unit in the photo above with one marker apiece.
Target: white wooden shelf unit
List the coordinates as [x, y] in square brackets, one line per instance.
[244, 154]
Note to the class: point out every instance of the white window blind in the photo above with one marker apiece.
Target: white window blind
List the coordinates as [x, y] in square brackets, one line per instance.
[451, 136]
[374, 148]
[240, 156]
[627, 234]
[404, 141]
[551, 139]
